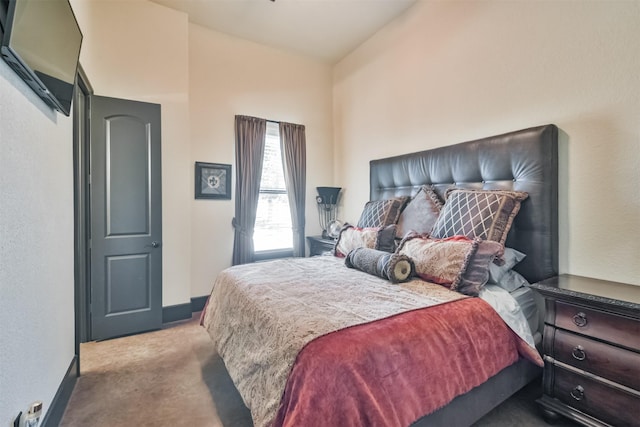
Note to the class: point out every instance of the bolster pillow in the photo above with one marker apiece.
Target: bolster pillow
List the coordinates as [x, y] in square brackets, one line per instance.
[394, 267]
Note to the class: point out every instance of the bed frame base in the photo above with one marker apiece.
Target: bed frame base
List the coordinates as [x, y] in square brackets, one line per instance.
[468, 408]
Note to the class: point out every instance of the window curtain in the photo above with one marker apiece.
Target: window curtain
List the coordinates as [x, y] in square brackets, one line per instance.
[250, 137]
[294, 159]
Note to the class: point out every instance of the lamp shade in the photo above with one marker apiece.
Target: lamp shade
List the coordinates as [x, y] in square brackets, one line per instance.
[328, 195]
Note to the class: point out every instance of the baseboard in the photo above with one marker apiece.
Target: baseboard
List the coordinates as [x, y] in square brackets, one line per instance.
[173, 313]
[177, 312]
[198, 303]
[61, 398]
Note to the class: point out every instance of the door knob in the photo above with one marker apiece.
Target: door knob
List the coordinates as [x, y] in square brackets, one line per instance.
[155, 244]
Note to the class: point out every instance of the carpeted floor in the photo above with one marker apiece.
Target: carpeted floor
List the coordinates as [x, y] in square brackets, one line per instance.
[173, 377]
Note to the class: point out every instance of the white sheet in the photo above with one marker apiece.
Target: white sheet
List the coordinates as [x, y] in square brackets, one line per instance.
[509, 310]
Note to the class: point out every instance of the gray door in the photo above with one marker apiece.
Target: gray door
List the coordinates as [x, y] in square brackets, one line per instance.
[126, 217]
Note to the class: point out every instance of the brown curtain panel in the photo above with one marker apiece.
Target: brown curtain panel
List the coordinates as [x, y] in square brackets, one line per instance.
[250, 137]
[294, 156]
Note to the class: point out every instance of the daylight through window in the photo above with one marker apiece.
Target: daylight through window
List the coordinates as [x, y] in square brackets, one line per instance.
[273, 218]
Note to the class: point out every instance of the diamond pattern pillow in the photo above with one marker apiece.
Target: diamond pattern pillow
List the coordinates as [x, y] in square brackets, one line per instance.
[380, 213]
[482, 214]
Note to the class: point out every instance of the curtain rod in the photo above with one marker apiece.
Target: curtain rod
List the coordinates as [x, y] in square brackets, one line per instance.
[267, 120]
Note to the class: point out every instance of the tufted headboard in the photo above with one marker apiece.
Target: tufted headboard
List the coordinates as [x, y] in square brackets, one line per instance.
[524, 160]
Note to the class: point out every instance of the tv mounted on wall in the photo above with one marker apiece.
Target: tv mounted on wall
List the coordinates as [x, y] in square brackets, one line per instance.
[41, 43]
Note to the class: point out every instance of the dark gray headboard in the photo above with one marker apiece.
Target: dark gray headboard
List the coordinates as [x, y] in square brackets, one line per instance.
[524, 160]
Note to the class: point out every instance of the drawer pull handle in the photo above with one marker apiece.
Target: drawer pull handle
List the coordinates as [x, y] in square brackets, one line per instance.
[580, 319]
[578, 353]
[577, 393]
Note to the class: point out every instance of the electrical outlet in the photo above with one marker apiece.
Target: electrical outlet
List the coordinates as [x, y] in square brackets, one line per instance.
[31, 418]
[16, 422]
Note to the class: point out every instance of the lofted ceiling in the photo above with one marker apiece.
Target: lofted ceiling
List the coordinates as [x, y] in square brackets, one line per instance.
[323, 29]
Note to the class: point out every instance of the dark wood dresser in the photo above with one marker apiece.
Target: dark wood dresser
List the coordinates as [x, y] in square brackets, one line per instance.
[591, 348]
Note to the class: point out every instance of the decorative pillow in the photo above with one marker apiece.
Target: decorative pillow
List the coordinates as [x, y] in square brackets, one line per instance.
[421, 213]
[458, 263]
[380, 213]
[350, 238]
[437, 260]
[511, 257]
[394, 267]
[482, 214]
[477, 272]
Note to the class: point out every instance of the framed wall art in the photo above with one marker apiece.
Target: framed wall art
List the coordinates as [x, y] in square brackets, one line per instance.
[213, 181]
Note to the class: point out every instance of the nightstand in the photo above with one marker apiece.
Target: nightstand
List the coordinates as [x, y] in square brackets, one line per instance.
[591, 346]
[319, 245]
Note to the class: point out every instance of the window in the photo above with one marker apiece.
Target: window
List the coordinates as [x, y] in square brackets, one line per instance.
[272, 232]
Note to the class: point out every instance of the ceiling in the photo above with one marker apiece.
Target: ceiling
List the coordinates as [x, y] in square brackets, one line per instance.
[323, 29]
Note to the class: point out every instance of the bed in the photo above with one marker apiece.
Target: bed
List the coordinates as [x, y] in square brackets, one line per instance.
[312, 342]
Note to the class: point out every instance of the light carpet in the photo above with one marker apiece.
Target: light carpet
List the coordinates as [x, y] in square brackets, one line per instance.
[173, 377]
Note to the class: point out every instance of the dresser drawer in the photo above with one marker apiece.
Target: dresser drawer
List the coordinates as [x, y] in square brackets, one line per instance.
[613, 363]
[594, 323]
[608, 404]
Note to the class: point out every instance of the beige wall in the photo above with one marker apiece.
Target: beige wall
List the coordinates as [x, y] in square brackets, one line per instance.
[36, 247]
[230, 76]
[442, 73]
[138, 50]
[202, 79]
[446, 72]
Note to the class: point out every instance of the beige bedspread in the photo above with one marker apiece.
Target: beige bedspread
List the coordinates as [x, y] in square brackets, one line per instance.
[261, 315]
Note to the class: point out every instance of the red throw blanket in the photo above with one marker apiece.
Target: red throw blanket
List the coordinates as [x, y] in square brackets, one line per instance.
[393, 371]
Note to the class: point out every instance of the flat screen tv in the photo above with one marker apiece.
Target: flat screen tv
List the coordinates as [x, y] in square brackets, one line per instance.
[41, 43]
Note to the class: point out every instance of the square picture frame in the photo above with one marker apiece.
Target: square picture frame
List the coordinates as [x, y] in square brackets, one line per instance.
[213, 181]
